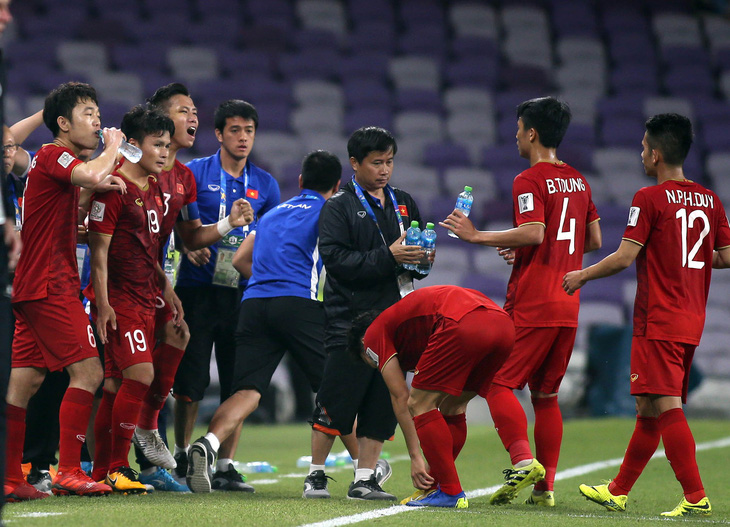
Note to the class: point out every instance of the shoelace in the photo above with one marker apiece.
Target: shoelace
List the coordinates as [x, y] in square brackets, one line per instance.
[320, 483]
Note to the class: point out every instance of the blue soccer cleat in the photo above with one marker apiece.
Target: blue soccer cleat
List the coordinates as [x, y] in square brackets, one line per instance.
[441, 499]
[162, 480]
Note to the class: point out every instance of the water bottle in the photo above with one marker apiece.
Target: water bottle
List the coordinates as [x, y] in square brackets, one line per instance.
[130, 152]
[428, 240]
[255, 467]
[463, 203]
[305, 461]
[413, 237]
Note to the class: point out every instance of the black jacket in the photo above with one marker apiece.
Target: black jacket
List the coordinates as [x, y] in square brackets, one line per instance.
[361, 270]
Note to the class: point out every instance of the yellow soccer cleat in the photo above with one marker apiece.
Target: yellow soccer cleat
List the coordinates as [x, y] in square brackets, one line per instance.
[546, 499]
[517, 479]
[601, 495]
[685, 508]
[125, 480]
[418, 495]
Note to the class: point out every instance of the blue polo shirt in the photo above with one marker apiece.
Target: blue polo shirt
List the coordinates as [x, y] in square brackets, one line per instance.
[286, 260]
[262, 193]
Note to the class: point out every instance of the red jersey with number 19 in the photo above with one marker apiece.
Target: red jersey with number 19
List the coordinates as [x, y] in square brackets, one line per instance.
[47, 263]
[679, 224]
[133, 221]
[558, 197]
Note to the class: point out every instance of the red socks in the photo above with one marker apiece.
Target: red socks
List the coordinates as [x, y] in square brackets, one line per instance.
[679, 446]
[457, 427]
[548, 437]
[510, 421]
[125, 415]
[15, 421]
[642, 446]
[437, 446]
[73, 417]
[103, 436]
[165, 359]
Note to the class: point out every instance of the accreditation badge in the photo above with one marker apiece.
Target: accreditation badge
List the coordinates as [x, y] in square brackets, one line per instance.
[225, 274]
[405, 283]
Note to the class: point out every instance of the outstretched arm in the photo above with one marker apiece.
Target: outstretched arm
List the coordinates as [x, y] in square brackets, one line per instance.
[610, 265]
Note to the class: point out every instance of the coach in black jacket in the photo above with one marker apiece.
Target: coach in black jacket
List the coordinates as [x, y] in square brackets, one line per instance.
[361, 230]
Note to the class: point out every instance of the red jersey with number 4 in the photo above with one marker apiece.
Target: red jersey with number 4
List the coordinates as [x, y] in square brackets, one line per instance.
[178, 190]
[406, 327]
[679, 224]
[47, 263]
[133, 222]
[558, 197]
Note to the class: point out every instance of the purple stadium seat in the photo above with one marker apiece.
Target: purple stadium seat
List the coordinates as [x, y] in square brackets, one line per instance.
[310, 64]
[507, 128]
[682, 56]
[371, 10]
[506, 102]
[162, 27]
[425, 39]
[477, 71]
[270, 37]
[574, 18]
[624, 17]
[622, 130]
[721, 59]
[260, 89]
[689, 80]
[373, 36]
[635, 78]
[160, 6]
[489, 285]
[621, 105]
[626, 48]
[137, 58]
[610, 289]
[714, 138]
[442, 155]
[524, 77]
[471, 46]
[218, 7]
[315, 39]
[270, 8]
[580, 134]
[418, 100]
[414, 13]
[221, 29]
[364, 66]
[360, 116]
[206, 143]
[366, 92]
[274, 115]
[235, 62]
[500, 209]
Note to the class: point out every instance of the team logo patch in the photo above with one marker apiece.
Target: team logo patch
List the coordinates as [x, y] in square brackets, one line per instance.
[81, 437]
[65, 159]
[633, 216]
[139, 202]
[526, 202]
[373, 356]
[252, 193]
[361, 213]
[158, 200]
[634, 377]
[180, 188]
[97, 211]
[128, 426]
[214, 188]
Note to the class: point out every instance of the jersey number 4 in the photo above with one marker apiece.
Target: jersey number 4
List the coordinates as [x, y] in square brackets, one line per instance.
[568, 234]
[687, 223]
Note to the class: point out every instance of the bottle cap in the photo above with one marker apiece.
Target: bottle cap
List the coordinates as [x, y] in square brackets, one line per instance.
[429, 225]
[414, 224]
[467, 188]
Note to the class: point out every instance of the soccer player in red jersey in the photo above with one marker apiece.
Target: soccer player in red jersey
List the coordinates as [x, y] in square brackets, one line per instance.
[52, 331]
[555, 222]
[454, 340]
[677, 232]
[124, 237]
[180, 211]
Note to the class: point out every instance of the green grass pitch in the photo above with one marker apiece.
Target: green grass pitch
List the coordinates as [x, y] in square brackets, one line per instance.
[278, 502]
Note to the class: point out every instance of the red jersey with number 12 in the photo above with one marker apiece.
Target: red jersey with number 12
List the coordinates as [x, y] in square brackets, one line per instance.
[133, 222]
[558, 197]
[679, 224]
[47, 263]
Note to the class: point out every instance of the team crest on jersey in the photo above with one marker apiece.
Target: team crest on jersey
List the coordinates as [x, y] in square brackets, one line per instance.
[65, 159]
[214, 188]
[403, 210]
[180, 188]
[361, 213]
[373, 356]
[634, 377]
[158, 200]
[252, 193]
[633, 216]
[526, 202]
[97, 211]
[139, 202]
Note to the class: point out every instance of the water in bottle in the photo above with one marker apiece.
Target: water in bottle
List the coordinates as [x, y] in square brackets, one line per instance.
[428, 240]
[255, 467]
[413, 237]
[130, 152]
[463, 203]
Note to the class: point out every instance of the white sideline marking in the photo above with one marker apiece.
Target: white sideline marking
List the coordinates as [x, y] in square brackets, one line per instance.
[35, 515]
[563, 474]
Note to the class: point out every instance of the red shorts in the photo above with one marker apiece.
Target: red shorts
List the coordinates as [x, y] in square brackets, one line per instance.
[465, 355]
[52, 333]
[660, 367]
[163, 313]
[131, 343]
[539, 359]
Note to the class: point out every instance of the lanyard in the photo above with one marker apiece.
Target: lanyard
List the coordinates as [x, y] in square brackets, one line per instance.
[222, 208]
[369, 210]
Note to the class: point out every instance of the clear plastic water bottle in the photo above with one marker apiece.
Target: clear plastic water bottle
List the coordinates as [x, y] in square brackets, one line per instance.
[413, 237]
[255, 467]
[428, 240]
[463, 203]
[130, 152]
[305, 461]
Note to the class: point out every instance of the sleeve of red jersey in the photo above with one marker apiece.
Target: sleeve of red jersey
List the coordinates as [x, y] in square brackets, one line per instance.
[61, 163]
[640, 219]
[378, 344]
[722, 233]
[527, 201]
[592, 212]
[191, 187]
[104, 213]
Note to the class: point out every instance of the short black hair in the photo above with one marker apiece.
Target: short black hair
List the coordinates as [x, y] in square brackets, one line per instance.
[360, 325]
[139, 122]
[671, 134]
[548, 116]
[235, 108]
[320, 171]
[370, 139]
[161, 98]
[63, 99]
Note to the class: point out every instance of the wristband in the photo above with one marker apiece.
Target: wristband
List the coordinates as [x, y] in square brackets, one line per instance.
[224, 226]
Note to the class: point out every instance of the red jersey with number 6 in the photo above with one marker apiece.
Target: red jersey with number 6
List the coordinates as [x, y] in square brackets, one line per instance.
[133, 222]
[679, 224]
[47, 263]
[558, 197]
